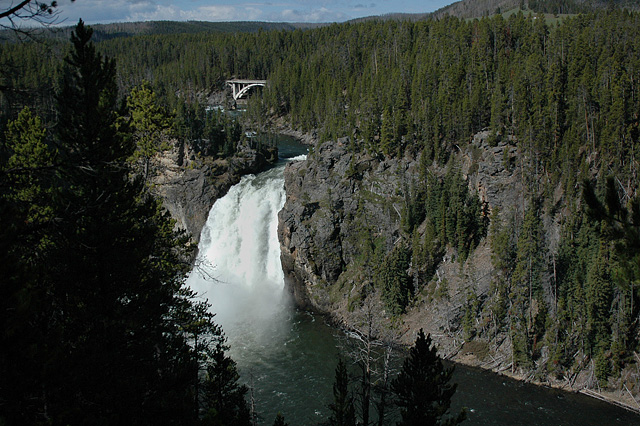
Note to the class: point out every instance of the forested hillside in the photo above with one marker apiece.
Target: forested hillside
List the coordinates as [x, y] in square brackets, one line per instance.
[561, 106]
[96, 323]
[557, 106]
[103, 32]
[477, 9]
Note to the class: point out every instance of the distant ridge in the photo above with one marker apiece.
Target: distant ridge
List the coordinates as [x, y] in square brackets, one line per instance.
[467, 9]
[102, 32]
[393, 16]
[127, 29]
[480, 8]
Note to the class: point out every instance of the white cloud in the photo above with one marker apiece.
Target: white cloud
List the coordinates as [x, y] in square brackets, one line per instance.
[203, 13]
[316, 15]
[155, 13]
[102, 11]
[99, 11]
[223, 13]
[361, 6]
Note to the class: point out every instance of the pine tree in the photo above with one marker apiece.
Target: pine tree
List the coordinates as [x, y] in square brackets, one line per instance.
[620, 230]
[395, 283]
[422, 388]
[118, 267]
[342, 408]
[151, 124]
[28, 170]
[526, 284]
[25, 240]
[599, 295]
[223, 397]
[279, 420]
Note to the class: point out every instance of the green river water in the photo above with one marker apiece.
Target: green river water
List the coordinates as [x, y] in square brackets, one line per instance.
[288, 357]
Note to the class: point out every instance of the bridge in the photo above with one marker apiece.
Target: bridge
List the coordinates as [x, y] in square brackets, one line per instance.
[241, 87]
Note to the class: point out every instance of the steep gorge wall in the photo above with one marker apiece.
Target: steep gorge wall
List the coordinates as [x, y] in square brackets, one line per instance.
[344, 209]
[336, 199]
[332, 198]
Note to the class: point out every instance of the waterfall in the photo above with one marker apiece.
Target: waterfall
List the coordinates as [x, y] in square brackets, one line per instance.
[286, 356]
[238, 268]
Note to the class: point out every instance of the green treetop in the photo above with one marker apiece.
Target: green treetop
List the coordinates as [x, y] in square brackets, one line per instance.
[151, 125]
[422, 387]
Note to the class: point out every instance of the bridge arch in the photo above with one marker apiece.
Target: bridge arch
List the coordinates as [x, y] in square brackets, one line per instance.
[241, 87]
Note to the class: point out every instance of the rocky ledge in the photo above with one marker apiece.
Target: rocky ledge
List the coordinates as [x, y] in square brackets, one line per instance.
[189, 184]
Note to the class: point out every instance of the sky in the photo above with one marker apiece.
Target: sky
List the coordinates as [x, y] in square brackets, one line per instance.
[105, 11]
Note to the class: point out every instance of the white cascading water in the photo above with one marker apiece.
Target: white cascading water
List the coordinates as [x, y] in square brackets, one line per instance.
[238, 269]
[288, 358]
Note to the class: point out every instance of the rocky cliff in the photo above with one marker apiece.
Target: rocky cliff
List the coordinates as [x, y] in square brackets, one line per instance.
[345, 216]
[189, 184]
[336, 196]
[332, 198]
[340, 205]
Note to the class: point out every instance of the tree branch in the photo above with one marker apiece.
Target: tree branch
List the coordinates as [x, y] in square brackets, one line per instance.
[15, 9]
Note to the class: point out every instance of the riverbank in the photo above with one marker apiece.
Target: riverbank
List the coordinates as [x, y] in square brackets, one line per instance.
[621, 398]
[469, 361]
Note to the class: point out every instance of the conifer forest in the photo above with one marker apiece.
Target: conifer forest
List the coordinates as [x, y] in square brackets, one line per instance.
[81, 121]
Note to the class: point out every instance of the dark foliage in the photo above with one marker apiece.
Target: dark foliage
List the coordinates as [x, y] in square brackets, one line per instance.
[422, 388]
[342, 408]
[95, 321]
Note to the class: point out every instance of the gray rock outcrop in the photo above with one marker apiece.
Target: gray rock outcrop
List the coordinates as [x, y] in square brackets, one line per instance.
[337, 201]
[332, 199]
[189, 184]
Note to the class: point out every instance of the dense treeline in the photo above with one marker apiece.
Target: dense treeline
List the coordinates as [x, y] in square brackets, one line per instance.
[96, 324]
[566, 97]
[430, 85]
[393, 83]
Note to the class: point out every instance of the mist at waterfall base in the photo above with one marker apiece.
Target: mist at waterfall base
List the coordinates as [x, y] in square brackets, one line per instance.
[288, 357]
[275, 346]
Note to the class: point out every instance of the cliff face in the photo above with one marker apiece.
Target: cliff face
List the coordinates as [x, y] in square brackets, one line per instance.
[338, 203]
[332, 198]
[345, 217]
[189, 184]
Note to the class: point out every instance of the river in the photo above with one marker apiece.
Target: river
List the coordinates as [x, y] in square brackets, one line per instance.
[288, 357]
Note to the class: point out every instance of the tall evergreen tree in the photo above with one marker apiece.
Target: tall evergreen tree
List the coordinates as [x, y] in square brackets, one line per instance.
[526, 284]
[342, 408]
[116, 269]
[422, 388]
[25, 240]
[151, 124]
[91, 333]
[396, 286]
[223, 397]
